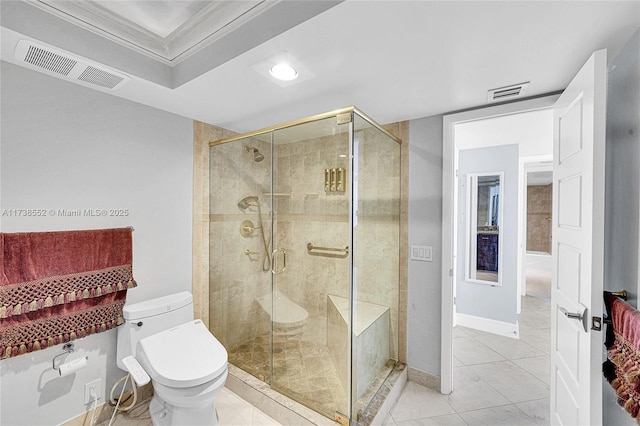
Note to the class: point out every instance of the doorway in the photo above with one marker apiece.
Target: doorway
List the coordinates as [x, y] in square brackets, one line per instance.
[538, 208]
[454, 126]
[485, 346]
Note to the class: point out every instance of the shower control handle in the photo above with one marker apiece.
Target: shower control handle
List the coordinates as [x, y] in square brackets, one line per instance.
[273, 261]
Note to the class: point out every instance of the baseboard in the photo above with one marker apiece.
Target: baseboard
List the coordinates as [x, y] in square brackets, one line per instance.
[104, 411]
[490, 326]
[424, 379]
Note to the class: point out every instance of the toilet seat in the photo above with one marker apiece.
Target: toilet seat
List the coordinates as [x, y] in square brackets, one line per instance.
[184, 356]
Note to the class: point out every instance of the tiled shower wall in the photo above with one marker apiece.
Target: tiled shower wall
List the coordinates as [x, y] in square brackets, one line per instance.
[307, 215]
[539, 218]
[236, 276]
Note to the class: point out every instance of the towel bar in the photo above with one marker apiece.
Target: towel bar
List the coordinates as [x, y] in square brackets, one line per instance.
[622, 295]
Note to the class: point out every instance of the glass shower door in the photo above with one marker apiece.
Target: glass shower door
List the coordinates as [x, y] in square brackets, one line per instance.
[376, 248]
[239, 252]
[303, 258]
[311, 322]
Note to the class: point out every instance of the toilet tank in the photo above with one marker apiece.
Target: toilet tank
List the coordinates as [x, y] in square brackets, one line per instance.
[152, 316]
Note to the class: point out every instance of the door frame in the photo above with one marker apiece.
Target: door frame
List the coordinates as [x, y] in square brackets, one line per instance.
[449, 215]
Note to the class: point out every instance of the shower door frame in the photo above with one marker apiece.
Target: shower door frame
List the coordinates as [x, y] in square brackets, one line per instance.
[351, 111]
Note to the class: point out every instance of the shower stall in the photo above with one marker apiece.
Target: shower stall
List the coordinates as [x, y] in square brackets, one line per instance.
[304, 222]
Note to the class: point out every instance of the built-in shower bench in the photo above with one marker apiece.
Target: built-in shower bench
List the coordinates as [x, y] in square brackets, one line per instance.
[371, 343]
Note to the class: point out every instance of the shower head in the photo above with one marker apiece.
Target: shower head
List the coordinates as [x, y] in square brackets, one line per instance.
[257, 155]
[247, 202]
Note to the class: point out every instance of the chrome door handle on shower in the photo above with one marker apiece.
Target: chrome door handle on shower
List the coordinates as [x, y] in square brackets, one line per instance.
[273, 261]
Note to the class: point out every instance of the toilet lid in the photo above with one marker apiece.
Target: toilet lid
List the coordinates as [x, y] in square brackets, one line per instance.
[183, 356]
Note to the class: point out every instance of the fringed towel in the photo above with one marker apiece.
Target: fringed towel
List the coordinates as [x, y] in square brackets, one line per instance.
[58, 286]
[622, 369]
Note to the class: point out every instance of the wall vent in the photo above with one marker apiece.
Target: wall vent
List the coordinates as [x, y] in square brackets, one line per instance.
[67, 66]
[507, 93]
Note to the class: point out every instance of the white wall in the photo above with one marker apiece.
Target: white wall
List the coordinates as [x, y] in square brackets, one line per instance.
[623, 171]
[622, 194]
[67, 147]
[497, 303]
[425, 228]
[532, 130]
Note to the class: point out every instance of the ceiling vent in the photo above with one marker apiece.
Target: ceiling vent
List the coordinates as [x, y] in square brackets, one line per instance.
[68, 66]
[507, 93]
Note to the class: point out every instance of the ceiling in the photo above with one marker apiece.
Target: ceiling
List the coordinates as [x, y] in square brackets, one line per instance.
[532, 131]
[395, 60]
[165, 30]
[539, 178]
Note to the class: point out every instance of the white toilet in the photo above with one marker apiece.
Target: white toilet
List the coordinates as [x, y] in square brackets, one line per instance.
[187, 365]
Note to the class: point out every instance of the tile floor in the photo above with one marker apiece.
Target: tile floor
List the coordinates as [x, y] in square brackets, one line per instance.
[232, 411]
[497, 380]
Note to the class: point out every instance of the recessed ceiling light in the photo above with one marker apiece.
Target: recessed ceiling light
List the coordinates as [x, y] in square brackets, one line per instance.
[284, 72]
[269, 68]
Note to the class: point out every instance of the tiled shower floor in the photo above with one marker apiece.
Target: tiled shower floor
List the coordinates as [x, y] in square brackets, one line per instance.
[302, 370]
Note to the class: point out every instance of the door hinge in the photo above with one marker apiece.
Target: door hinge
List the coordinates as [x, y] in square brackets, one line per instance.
[596, 323]
[450, 272]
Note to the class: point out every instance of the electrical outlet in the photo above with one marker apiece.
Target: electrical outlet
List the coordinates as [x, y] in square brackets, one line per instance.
[92, 388]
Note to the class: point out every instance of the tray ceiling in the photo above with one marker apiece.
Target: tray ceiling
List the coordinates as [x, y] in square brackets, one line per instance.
[168, 30]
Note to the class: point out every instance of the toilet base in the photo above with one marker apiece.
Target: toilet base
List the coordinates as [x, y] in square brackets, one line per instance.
[163, 414]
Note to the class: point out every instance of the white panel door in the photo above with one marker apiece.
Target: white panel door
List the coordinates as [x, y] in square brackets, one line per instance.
[578, 246]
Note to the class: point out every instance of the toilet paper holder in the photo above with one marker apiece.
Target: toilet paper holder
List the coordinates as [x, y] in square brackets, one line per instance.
[67, 348]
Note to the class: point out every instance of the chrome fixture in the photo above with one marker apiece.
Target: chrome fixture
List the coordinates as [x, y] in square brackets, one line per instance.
[67, 348]
[257, 155]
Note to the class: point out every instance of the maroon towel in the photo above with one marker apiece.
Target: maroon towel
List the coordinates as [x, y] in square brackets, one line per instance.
[624, 353]
[57, 286]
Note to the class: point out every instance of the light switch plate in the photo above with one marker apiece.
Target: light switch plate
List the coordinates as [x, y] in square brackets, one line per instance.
[421, 253]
